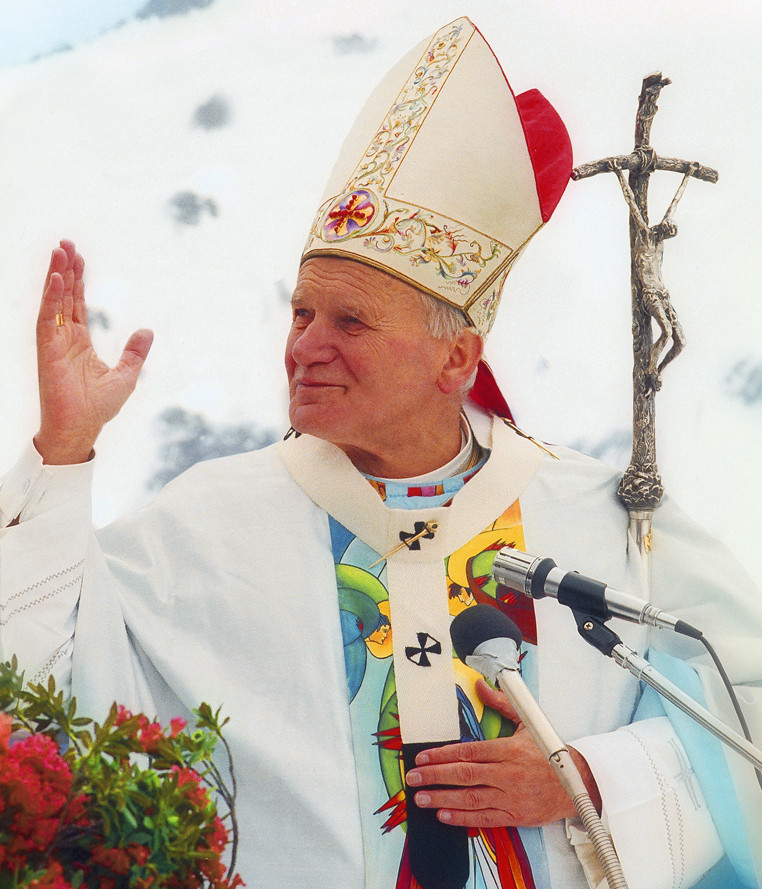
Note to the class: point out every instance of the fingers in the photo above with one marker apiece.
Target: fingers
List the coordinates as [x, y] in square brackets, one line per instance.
[468, 752]
[72, 279]
[57, 265]
[79, 309]
[475, 800]
[481, 763]
[482, 807]
[483, 818]
[460, 815]
[495, 699]
[52, 294]
[63, 293]
[135, 354]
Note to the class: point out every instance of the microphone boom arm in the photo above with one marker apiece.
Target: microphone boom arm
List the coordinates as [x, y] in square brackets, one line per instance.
[597, 634]
[641, 669]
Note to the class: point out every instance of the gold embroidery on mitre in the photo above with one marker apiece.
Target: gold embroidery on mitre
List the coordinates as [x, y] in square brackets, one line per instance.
[453, 254]
[439, 255]
[414, 101]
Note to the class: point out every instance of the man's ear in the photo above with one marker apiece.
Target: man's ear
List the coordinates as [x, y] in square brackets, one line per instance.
[466, 349]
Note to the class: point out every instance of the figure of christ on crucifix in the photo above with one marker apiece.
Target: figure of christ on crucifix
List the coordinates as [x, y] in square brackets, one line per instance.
[648, 256]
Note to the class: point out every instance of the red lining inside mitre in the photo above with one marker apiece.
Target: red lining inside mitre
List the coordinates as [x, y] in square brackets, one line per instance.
[548, 141]
[549, 147]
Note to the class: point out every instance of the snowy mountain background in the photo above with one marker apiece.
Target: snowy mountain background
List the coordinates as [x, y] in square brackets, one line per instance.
[184, 146]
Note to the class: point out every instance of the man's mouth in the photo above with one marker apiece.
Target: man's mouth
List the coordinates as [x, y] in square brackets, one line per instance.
[318, 384]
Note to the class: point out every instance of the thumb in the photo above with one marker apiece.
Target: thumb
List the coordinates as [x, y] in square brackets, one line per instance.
[135, 353]
[495, 699]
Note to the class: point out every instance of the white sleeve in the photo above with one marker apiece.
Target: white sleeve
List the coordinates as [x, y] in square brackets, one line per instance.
[46, 516]
[654, 808]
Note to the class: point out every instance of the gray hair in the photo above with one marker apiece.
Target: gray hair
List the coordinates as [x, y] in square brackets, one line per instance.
[443, 321]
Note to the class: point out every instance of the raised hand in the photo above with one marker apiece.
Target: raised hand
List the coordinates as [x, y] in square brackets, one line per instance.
[79, 393]
[499, 783]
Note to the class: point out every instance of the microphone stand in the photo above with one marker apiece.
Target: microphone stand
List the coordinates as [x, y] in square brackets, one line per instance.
[552, 747]
[607, 642]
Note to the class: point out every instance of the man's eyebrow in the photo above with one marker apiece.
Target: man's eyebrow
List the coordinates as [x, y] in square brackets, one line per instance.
[356, 308]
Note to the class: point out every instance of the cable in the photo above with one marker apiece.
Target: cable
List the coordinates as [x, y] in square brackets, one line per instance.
[731, 693]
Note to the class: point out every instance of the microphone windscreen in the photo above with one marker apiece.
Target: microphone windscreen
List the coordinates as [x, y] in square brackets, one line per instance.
[480, 623]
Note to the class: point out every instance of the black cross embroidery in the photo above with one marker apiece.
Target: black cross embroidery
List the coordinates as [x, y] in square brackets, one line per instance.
[422, 529]
[420, 655]
[411, 541]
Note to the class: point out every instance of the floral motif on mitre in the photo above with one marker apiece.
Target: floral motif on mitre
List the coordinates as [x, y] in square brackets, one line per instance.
[483, 310]
[452, 261]
[397, 131]
[454, 255]
[348, 216]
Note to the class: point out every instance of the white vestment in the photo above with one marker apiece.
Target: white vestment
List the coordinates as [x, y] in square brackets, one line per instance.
[223, 590]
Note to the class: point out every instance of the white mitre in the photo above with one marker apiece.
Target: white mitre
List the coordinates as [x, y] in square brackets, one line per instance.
[445, 175]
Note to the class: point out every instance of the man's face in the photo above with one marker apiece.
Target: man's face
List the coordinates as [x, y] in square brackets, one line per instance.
[362, 367]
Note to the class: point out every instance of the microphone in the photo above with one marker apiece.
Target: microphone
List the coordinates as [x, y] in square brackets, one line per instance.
[488, 640]
[484, 625]
[538, 576]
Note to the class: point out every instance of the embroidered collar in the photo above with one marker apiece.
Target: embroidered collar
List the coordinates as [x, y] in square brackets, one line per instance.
[329, 479]
[399, 494]
[435, 488]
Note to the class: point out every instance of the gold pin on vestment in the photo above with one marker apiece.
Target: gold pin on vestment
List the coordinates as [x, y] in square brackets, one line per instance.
[428, 530]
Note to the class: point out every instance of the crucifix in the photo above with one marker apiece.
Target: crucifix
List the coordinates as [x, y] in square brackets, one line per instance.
[640, 488]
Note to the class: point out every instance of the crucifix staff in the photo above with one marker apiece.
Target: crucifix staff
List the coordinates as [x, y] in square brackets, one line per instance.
[640, 488]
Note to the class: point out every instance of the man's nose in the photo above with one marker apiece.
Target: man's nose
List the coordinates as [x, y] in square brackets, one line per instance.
[314, 344]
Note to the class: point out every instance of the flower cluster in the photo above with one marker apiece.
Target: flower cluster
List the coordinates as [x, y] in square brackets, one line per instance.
[114, 806]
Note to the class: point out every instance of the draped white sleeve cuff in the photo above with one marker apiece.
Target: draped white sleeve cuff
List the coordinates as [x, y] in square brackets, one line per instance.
[654, 808]
[31, 488]
[42, 561]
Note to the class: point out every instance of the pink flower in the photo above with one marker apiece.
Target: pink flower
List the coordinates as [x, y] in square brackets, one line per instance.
[177, 724]
[190, 782]
[116, 860]
[53, 878]
[139, 854]
[122, 715]
[6, 724]
[34, 787]
[150, 735]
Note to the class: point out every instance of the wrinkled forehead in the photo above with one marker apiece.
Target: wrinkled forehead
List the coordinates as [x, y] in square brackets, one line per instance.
[342, 280]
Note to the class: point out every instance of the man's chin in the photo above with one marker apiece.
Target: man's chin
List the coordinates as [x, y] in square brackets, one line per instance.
[311, 420]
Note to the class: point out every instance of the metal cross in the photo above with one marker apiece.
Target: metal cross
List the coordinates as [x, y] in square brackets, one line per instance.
[641, 488]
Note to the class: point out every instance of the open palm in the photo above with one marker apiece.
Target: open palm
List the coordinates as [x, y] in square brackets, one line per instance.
[79, 393]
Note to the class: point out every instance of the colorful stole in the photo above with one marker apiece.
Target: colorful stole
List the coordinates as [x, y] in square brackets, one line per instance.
[498, 857]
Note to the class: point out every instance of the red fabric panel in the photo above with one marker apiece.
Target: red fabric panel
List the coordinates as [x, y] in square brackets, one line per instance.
[549, 146]
[486, 393]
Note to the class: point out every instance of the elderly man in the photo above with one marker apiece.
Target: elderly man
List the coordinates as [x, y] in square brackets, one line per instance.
[308, 588]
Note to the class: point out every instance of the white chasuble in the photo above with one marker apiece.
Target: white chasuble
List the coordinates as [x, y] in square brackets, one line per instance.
[402, 575]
